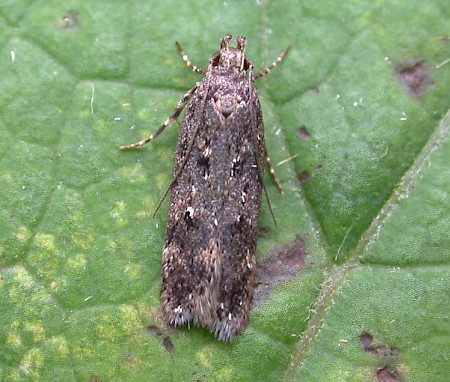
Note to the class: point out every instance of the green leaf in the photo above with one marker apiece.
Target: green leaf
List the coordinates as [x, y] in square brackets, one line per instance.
[354, 279]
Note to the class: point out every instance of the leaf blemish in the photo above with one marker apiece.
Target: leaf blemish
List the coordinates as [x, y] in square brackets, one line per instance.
[279, 268]
[303, 132]
[70, 21]
[415, 78]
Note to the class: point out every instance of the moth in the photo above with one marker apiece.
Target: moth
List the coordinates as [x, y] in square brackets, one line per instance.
[208, 261]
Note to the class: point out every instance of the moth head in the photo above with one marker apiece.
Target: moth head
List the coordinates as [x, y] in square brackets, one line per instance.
[231, 57]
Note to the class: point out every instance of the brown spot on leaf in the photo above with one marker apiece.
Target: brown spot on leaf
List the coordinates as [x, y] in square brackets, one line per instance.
[304, 176]
[70, 21]
[295, 255]
[366, 340]
[380, 349]
[278, 268]
[303, 132]
[387, 374]
[415, 78]
[445, 39]
[167, 342]
[154, 330]
[314, 90]
[263, 231]
[130, 360]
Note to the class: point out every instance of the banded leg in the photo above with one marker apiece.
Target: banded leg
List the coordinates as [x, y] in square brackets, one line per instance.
[173, 116]
[265, 71]
[185, 58]
[262, 73]
[277, 183]
[274, 176]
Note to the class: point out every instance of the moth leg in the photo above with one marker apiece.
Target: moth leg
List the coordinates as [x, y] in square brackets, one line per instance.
[185, 58]
[173, 116]
[272, 173]
[183, 159]
[277, 183]
[265, 71]
[178, 172]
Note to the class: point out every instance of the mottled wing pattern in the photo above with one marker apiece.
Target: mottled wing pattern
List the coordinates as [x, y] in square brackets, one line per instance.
[209, 254]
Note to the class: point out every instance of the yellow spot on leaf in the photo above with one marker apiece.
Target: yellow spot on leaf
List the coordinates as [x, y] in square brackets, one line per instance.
[14, 339]
[77, 262]
[22, 277]
[46, 241]
[204, 357]
[32, 361]
[6, 177]
[134, 174]
[83, 240]
[36, 329]
[23, 233]
[58, 284]
[61, 346]
[131, 321]
[132, 271]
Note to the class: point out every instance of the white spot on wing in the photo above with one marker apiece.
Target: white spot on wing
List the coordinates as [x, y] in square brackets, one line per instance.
[190, 211]
[178, 309]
